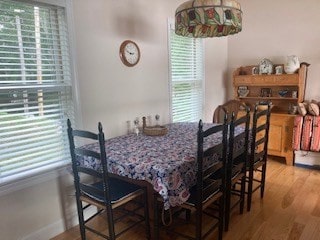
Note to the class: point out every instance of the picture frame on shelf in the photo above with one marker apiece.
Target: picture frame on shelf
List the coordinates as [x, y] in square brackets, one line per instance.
[279, 70]
[266, 92]
[255, 71]
[294, 94]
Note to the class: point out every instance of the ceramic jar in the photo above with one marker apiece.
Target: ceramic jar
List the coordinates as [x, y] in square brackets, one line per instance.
[292, 64]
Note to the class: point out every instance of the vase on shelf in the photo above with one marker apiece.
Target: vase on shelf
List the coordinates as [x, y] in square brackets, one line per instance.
[292, 64]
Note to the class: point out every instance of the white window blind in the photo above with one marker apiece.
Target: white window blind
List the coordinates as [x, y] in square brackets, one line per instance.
[187, 77]
[35, 88]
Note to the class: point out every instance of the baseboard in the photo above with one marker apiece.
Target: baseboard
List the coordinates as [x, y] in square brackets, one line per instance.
[315, 167]
[307, 159]
[47, 232]
[57, 228]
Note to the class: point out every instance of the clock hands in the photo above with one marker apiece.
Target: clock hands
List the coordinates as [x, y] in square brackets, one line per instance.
[131, 53]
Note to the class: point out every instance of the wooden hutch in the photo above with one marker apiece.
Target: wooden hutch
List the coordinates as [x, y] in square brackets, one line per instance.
[284, 91]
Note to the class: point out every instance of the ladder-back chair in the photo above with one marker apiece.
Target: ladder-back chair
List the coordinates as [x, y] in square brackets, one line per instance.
[210, 184]
[236, 164]
[97, 188]
[257, 164]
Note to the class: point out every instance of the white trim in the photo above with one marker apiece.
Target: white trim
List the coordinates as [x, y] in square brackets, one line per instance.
[73, 65]
[307, 158]
[58, 227]
[60, 3]
[204, 80]
[47, 232]
[170, 22]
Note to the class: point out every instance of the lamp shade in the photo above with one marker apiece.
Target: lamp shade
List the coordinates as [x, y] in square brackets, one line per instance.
[208, 18]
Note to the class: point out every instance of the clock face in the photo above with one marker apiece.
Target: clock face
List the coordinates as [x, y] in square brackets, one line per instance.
[129, 53]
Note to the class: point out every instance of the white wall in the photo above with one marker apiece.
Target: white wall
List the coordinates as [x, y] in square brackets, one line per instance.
[275, 29]
[216, 74]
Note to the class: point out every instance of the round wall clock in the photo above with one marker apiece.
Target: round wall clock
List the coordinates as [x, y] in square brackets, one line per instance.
[129, 53]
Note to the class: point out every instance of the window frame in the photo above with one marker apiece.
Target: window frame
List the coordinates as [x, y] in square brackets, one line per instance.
[53, 171]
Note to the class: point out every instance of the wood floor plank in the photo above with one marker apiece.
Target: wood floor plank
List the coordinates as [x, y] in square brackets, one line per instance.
[296, 231]
[316, 209]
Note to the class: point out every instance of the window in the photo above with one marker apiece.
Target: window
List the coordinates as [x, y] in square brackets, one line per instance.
[35, 88]
[187, 77]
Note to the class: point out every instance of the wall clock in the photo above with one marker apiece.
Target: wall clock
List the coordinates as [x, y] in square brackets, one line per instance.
[129, 53]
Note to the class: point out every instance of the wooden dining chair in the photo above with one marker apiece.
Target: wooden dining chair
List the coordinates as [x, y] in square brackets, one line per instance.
[95, 187]
[236, 164]
[231, 106]
[257, 164]
[210, 185]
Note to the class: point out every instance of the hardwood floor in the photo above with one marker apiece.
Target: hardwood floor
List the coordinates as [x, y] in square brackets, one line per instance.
[289, 210]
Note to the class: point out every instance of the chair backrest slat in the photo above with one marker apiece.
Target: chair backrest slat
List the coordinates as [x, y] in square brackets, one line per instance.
[259, 156]
[85, 134]
[263, 112]
[210, 188]
[87, 153]
[89, 171]
[260, 141]
[210, 151]
[215, 166]
[261, 128]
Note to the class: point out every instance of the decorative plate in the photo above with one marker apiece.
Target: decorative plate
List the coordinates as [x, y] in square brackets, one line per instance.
[265, 66]
[243, 92]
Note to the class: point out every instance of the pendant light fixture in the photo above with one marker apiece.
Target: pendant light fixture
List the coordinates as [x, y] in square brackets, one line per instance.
[208, 18]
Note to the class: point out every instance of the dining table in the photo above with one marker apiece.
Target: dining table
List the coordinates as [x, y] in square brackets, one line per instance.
[167, 163]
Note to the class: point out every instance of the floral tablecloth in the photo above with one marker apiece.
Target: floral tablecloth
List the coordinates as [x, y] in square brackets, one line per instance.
[167, 162]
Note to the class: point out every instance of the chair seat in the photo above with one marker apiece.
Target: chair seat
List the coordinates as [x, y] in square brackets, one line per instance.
[118, 190]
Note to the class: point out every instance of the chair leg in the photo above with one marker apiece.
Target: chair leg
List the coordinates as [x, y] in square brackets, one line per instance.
[81, 220]
[263, 179]
[199, 223]
[146, 214]
[156, 218]
[221, 217]
[250, 183]
[242, 193]
[188, 214]
[227, 208]
[112, 234]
